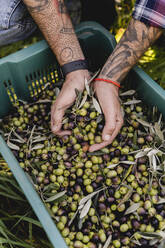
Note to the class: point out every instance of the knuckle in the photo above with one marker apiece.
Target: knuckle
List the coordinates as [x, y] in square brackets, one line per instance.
[55, 131]
[111, 128]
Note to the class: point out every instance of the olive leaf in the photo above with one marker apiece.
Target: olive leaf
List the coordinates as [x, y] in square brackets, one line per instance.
[161, 200]
[132, 208]
[126, 197]
[154, 241]
[83, 101]
[132, 102]
[56, 196]
[154, 163]
[132, 107]
[57, 91]
[21, 101]
[80, 207]
[142, 153]
[29, 142]
[150, 235]
[80, 224]
[43, 101]
[86, 198]
[87, 87]
[39, 139]
[111, 166]
[160, 119]
[97, 153]
[16, 140]
[74, 216]
[94, 75]
[135, 138]
[12, 146]
[162, 244]
[144, 123]
[85, 209]
[158, 131]
[46, 85]
[137, 242]
[152, 152]
[108, 241]
[127, 162]
[19, 137]
[65, 120]
[78, 98]
[39, 146]
[96, 105]
[128, 93]
[50, 187]
[127, 173]
[160, 183]
[162, 234]
[99, 119]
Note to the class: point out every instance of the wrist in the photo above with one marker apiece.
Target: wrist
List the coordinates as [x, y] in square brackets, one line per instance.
[77, 75]
[109, 86]
[77, 78]
[108, 80]
[72, 66]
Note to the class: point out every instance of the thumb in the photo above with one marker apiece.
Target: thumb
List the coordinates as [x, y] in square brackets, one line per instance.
[108, 130]
[56, 121]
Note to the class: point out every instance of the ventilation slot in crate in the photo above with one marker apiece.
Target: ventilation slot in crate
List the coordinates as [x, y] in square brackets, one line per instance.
[11, 92]
[40, 79]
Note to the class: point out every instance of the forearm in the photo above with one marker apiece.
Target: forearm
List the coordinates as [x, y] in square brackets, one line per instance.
[135, 41]
[52, 18]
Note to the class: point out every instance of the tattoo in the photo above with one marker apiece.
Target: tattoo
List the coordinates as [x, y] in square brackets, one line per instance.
[54, 22]
[135, 41]
[67, 27]
[40, 6]
[66, 54]
[61, 7]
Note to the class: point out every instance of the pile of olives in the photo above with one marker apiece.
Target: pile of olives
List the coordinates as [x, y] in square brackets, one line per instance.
[110, 198]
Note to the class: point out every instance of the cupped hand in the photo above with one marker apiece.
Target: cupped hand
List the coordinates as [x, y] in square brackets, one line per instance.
[108, 97]
[74, 80]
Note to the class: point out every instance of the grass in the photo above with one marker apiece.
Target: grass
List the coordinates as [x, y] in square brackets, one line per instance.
[19, 226]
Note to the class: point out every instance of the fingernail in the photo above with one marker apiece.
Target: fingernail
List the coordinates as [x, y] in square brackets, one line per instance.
[107, 137]
[54, 128]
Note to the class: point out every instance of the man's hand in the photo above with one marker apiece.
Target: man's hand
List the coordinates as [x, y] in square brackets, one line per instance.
[74, 80]
[107, 95]
[135, 41]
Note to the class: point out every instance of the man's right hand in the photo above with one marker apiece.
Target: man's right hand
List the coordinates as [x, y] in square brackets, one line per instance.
[107, 95]
[74, 80]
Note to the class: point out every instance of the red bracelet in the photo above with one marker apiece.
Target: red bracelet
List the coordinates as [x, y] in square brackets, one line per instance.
[108, 81]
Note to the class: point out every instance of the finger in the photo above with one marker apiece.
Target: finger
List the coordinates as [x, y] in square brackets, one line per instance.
[62, 132]
[109, 109]
[103, 144]
[109, 127]
[99, 146]
[56, 120]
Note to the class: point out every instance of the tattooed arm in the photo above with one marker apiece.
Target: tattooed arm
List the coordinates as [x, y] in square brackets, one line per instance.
[52, 18]
[135, 41]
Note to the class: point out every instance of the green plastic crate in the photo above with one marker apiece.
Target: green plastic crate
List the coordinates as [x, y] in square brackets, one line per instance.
[25, 72]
